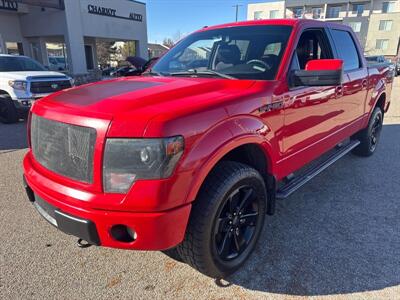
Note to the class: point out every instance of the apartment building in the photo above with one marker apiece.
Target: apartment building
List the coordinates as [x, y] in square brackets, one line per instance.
[375, 22]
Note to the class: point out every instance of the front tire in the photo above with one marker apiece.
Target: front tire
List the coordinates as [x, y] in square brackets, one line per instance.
[8, 112]
[226, 220]
[369, 137]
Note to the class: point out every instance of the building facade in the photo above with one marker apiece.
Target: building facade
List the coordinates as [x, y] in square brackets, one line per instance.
[64, 34]
[375, 22]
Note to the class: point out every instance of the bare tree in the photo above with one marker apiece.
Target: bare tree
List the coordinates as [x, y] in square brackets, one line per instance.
[105, 52]
[168, 42]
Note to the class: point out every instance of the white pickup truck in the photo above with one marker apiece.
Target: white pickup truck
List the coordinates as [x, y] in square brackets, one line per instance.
[23, 80]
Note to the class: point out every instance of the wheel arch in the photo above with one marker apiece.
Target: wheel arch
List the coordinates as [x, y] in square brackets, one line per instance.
[250, 150]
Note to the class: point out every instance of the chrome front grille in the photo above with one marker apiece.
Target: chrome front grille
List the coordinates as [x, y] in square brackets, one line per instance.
[63, 148]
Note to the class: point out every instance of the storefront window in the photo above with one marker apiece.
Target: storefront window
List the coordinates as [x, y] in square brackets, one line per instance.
[14, 48]
[57, 56]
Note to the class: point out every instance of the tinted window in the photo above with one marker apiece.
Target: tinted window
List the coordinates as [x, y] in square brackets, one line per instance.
[15, 63]
[312, 46]
[243, 52]
[346, 49]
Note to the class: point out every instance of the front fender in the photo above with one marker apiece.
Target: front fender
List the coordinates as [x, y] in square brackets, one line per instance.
[220, 140]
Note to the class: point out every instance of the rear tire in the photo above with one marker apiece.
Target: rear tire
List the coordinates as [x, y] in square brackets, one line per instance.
[226, 220]
[369, 137]
[8, 112]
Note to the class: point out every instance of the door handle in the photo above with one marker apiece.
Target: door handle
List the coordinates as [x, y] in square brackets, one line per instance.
[339, 91]
[364, 83]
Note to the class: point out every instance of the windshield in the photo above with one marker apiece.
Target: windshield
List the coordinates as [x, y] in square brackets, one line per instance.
[19, 63]
[60, 60]
[243, 52]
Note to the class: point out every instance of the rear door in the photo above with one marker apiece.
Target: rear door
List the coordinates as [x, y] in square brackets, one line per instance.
[355, 77]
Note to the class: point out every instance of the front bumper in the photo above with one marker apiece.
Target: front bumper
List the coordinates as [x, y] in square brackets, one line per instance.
[153, 230]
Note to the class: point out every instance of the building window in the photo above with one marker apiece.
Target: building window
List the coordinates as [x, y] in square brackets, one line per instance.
[297, 12]
[358, 9]
[382, 44]
[388, 7]
[316, 12]
[89, 57]
[385, 25]
[273, 14]
[258, 15]
[334, 11]
[14, 48]
[356, 26]
[57, 56]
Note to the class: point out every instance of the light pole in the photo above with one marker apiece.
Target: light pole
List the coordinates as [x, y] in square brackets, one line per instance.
[237, 10]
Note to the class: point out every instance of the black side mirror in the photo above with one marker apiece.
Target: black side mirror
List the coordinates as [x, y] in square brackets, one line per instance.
[316, 78]
[319, 72]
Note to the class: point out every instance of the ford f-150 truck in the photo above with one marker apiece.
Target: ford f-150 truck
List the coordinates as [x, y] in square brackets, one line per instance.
[191, 156]
[22, 81]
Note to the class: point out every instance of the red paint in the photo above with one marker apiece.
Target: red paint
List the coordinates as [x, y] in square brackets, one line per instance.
[214, 116]
[324, 64]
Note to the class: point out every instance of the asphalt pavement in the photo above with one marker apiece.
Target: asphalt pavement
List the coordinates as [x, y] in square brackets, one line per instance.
[336, 238]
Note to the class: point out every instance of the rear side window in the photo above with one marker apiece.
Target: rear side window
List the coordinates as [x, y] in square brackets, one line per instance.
[346, 49]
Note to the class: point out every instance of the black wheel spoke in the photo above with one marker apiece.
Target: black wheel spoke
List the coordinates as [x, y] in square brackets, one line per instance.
[247, 199]
[234, 201]
[222, 225]
[239, 240]
[249, 219]
[225, 247]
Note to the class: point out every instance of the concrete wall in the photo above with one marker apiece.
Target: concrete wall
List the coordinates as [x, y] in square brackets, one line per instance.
[265, 8]
[116, 28]
[10, 30]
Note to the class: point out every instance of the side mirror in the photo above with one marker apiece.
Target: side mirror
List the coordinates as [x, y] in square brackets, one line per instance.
[319, 72]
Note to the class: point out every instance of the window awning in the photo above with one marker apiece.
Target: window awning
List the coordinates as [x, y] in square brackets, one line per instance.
[59, 4]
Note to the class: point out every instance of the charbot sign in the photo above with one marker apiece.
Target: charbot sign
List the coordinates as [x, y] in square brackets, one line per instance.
[111, 12]
[9, 5]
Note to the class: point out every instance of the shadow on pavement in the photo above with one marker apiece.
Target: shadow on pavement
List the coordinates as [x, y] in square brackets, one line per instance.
[339, 234]
[13, 136]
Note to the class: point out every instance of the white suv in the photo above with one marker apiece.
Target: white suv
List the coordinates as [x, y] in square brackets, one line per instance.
[23, 80]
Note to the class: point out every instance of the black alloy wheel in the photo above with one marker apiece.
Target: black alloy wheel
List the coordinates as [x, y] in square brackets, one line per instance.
[235, 227]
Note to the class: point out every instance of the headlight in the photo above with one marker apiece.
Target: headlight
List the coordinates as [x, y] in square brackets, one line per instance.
[128, 160]
[18, 84]
[72, 81]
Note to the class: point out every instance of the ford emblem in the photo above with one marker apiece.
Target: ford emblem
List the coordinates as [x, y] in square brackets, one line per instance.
[54, 86]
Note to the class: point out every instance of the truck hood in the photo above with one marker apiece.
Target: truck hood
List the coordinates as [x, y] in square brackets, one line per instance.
[138, 100]
[24, 75]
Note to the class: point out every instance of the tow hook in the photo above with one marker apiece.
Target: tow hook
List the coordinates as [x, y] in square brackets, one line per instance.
[83, 244]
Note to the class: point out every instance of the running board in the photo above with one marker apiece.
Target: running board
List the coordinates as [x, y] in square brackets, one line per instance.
[298, 182]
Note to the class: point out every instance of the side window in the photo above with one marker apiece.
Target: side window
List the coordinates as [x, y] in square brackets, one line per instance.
[312, 45]
[346, 49]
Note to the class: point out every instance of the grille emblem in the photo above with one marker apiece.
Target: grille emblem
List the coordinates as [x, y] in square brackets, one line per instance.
[54, 86]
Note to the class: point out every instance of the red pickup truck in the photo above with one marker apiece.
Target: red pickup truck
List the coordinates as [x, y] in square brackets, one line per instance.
[191, 156]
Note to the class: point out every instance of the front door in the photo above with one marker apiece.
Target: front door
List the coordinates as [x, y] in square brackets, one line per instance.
[311, 113]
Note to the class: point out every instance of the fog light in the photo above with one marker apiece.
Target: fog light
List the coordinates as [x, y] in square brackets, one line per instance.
[123, 233]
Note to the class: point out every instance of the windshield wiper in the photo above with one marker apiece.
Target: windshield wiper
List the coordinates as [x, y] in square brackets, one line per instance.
[152, 72]
[199, 73]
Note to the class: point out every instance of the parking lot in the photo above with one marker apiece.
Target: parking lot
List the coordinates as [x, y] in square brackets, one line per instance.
[339, 236]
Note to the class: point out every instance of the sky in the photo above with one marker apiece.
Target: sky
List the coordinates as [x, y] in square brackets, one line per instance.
[177, 18]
